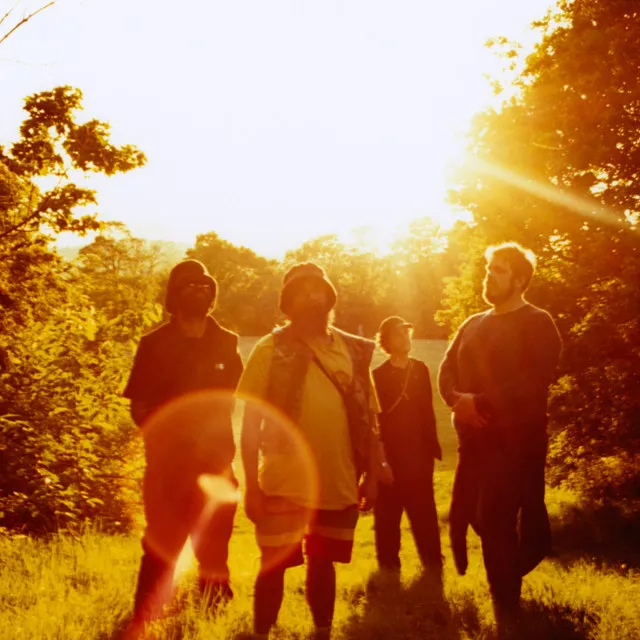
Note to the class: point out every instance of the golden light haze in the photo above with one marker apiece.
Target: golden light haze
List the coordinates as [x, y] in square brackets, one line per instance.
[269, 122]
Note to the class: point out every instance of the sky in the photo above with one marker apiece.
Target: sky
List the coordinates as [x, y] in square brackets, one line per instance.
[268, 121]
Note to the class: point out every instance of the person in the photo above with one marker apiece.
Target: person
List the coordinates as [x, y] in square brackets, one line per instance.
[409, 436]
[496, 376]
[318, 377]
[186, 438]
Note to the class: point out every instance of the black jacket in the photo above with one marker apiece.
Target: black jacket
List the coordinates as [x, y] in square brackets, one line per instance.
[408, 429]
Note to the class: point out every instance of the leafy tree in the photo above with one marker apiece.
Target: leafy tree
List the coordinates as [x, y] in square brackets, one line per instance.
[64, 432]
[38, 196]
[555, 167]
[123, 277]
[248, 284]
[421, 260]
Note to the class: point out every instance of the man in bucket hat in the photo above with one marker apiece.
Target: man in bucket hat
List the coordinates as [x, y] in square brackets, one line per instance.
[180, 387]
[318, 378]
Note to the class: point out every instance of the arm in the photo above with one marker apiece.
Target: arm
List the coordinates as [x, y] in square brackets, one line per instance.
[140, 386]
[235, 372]
[140, 411]
[463, 404]
[429, 414]
[251, 388]
[250, 444]
[448, 371]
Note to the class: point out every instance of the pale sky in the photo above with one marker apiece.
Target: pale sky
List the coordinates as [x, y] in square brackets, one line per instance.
[268, 121]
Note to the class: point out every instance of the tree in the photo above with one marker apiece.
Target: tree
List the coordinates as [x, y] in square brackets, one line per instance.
[64, 429]
[38, 196]
[421, 260]
[123, 277]
[22, 21]
[555, 167]
[247, 298]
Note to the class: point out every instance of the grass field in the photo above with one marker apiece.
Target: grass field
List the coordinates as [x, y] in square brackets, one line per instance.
[81, 587]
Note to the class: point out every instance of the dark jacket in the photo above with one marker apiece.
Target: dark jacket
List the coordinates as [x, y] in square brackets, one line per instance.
[169, 366]
[508, 362]
[408, 427]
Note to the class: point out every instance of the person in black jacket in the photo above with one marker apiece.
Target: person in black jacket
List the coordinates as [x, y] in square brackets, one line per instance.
[408, 433]
[495, 376]
[180, 387]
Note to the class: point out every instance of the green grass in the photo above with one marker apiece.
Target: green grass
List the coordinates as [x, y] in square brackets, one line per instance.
[81, 587]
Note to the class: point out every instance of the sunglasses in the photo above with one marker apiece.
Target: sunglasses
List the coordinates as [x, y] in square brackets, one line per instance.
[194, 286]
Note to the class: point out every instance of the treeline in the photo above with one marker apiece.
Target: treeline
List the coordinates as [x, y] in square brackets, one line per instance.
[554, 167]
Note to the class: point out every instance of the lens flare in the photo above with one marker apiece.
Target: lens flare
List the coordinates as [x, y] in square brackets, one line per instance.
[189, 488]
[288, 481]
[588, 208]
[190, 491]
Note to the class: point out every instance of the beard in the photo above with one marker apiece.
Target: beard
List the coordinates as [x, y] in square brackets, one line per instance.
[497, 297]
[311, 318]
[194, 307]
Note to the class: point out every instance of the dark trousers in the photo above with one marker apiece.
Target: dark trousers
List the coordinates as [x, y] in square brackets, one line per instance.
[167, 532]
[320, 593]
[513, 521]
[464, 505]
[415, 496]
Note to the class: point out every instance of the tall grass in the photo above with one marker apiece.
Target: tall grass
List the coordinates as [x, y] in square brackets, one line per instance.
[81, 587]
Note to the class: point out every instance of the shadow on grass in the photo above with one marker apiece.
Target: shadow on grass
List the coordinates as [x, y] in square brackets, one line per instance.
[604, 534]
[390, 609]
[555, 622]
[419, 611]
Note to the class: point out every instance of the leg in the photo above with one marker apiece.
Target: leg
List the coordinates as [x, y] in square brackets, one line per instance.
[211, 548]
[153, 589]
[321, 591]
[269, 589]
[330, 539]
[387, 515]
[463, 507]
[498, 514]
[167, 529]
[423, 516]
[534, 526]
[279, 537]
[269, 592]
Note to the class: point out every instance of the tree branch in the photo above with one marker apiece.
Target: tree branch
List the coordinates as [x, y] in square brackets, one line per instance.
[6, 15]
[24, 20]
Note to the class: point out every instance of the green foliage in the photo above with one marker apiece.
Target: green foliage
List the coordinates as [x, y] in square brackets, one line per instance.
[53, 144]
[248, 284]
[123, 276]
[555, 168]
[80, 588]
[64, 430]
[65, 436]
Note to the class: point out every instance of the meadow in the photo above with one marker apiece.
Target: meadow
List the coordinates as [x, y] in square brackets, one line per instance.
[80, 586]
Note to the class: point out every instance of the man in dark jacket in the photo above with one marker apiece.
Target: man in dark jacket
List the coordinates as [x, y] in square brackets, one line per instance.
[181, 390]
[495, 376]
[408, 433]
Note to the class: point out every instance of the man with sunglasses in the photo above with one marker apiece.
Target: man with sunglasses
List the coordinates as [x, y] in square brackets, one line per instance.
[408, 433]
[180, 387]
